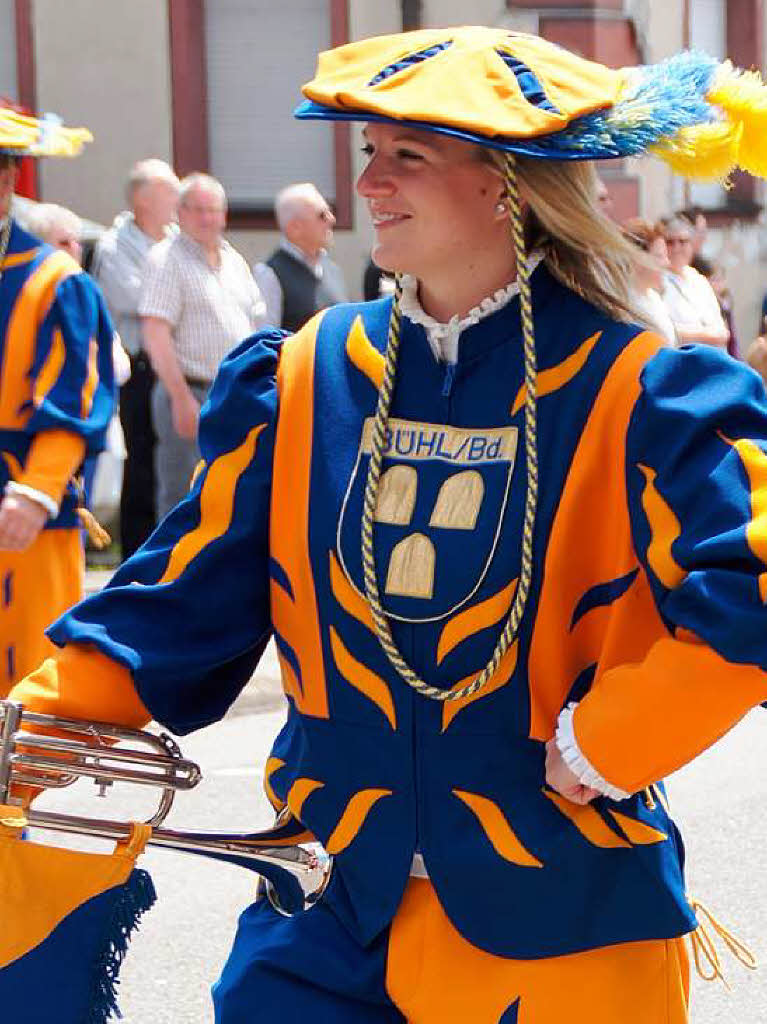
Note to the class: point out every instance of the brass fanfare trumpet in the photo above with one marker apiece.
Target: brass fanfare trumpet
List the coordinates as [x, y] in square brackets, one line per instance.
[294, 877]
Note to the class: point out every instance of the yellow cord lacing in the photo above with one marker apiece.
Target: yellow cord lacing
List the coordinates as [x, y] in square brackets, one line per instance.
[703, 948]
[511, 628]
[5, 237]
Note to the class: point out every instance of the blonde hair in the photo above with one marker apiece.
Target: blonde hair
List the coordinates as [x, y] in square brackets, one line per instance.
[582, 247]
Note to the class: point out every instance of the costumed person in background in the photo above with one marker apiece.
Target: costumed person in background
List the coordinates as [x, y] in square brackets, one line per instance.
[648, 274]
[495, 638]
[56, 398]
[689, 298]
[62, 228]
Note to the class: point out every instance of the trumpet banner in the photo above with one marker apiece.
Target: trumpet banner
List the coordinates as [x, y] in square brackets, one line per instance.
[66, 917]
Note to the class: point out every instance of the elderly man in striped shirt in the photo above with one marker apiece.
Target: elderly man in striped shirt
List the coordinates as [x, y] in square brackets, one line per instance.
[199, 300]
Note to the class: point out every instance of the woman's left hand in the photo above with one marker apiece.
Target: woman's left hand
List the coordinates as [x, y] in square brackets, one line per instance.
[561, 779]
[21, 519]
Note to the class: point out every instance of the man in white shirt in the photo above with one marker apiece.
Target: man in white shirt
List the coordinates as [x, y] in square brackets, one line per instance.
[119, 264]
[198, 302]
[299, 278]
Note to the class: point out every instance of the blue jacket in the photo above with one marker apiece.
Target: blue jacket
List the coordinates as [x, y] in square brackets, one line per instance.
[268, 542]
[56, 351]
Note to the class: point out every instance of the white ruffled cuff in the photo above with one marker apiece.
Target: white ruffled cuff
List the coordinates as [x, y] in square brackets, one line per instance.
[573, 757]
[33, 494]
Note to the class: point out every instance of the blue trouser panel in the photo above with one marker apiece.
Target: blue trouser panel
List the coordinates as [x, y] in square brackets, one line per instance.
[421, 970]
[302, 968]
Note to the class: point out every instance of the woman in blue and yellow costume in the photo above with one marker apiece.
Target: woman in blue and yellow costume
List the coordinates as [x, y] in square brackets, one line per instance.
[510, 547]
[56, 397]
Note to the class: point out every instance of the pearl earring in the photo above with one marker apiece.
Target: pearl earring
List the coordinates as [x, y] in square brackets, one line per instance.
[500, 207]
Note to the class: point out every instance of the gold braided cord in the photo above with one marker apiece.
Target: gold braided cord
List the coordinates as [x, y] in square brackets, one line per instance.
[5, 237]
[383, 630]
[703, 948]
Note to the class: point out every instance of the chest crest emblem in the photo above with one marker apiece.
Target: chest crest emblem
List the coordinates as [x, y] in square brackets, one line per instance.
[442, 500]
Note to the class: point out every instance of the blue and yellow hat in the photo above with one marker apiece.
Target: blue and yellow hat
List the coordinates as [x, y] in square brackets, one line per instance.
[23, 135]
[525, 95]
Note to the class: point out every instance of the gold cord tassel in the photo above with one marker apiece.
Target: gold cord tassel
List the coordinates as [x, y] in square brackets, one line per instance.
[98, 535]
[707, 962]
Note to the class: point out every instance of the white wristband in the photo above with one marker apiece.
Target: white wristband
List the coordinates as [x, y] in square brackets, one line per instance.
[33, 494]
[573, 757]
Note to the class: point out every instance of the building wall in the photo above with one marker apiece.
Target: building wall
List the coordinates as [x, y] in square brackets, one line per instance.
[439, 13]
[8, 82]
[105, 66]
[351, 248]
[116, 81]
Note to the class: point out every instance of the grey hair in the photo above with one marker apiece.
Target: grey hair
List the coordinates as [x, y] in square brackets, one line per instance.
[43, 219]
[291, 200]
[204, 182]
[148, 171]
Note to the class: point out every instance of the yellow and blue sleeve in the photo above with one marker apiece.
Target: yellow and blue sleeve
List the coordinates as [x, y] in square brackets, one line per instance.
[72, 370]
[697, 493]
[187, 617]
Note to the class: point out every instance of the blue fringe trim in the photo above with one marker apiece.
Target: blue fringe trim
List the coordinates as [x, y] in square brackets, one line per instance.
[135, 897]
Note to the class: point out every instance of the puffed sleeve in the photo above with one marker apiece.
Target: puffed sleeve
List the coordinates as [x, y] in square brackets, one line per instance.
[73, 373]
[696, 466]
[188, 615]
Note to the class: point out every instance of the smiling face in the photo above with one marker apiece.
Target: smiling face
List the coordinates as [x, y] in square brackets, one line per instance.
[434, 206]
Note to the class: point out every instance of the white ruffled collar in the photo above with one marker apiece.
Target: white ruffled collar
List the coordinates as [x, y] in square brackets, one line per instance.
[444, 337]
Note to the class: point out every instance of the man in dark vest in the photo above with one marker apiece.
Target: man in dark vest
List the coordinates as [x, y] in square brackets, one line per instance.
[299, 278]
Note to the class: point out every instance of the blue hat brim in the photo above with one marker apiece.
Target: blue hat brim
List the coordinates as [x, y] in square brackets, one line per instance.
[549, 147]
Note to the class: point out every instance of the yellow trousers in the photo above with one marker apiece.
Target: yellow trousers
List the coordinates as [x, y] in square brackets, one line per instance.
[434, 975]
[36, 586]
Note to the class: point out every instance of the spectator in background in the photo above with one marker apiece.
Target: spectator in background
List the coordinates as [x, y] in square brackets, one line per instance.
[714, 274]
[152, 193]
[648, 273]
[62, 228]
[697, 218]
[689, 297]
[198, 301]
[57, 226]
[756, 357]
[603, 198]
[376, 282]
[299, 278]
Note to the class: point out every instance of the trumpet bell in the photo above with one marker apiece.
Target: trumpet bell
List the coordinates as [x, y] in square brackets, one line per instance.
[294, 877]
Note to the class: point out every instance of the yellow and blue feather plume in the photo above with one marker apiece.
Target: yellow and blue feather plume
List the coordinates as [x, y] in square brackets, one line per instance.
[24, 135]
